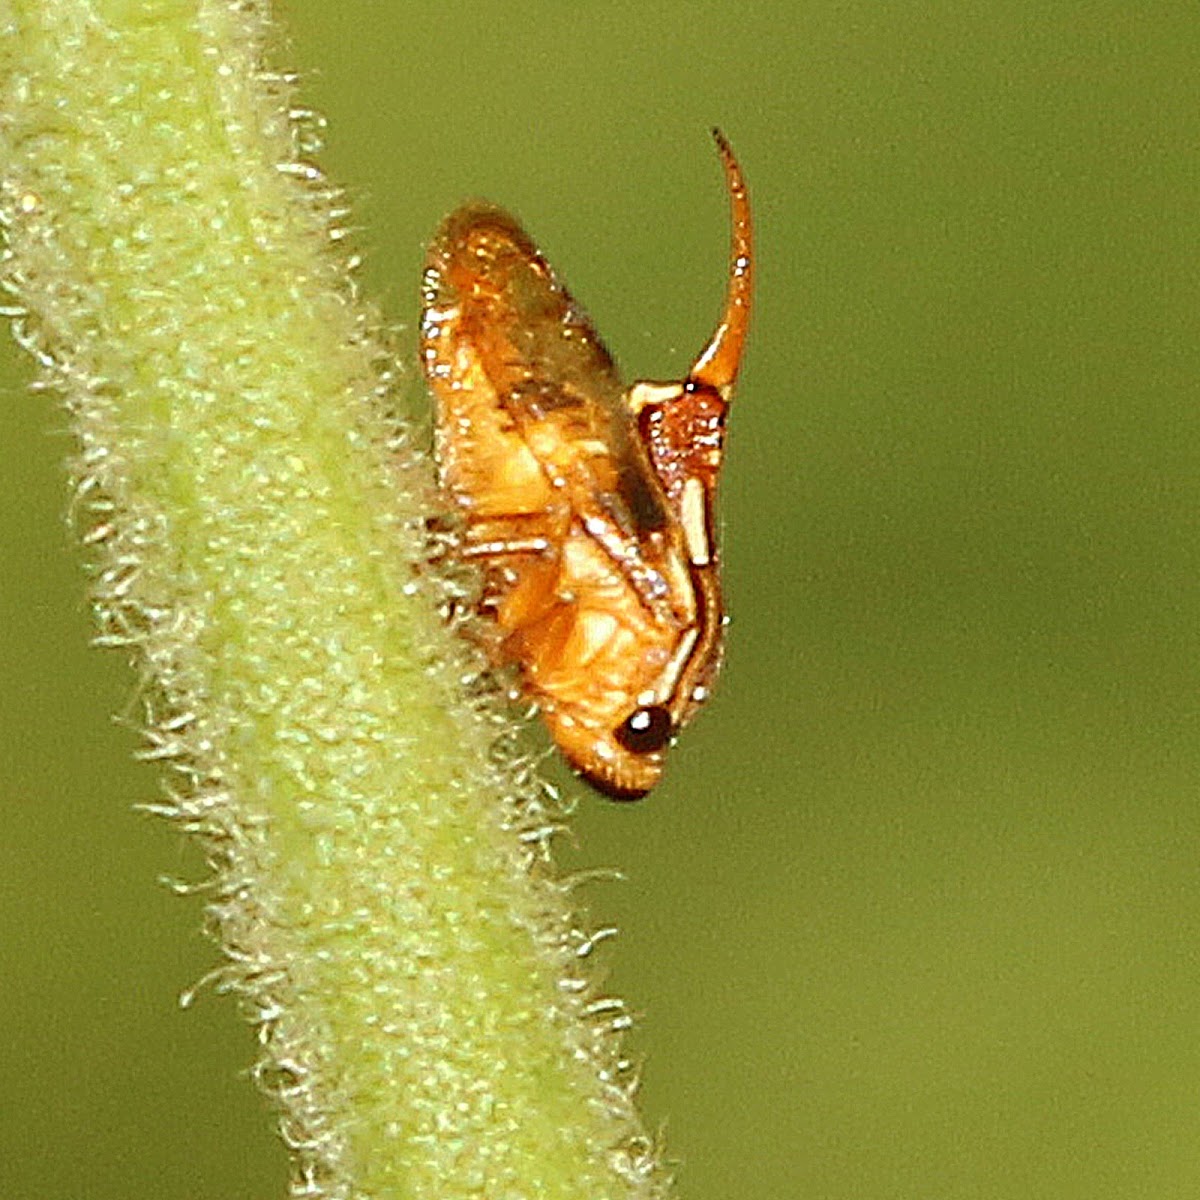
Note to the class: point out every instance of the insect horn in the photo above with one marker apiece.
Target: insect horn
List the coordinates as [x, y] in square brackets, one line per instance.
[717, 366]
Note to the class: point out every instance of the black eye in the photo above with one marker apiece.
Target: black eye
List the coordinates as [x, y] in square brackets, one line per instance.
[645, 730]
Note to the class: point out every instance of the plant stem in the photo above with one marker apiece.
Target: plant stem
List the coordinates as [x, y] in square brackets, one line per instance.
[381, 887]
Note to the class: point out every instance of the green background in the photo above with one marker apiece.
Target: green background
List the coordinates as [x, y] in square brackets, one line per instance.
[914, 915]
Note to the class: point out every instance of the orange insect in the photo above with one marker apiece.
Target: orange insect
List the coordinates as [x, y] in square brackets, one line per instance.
[589, 505]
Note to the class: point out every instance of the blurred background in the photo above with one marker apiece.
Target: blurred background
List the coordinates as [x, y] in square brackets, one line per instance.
[915, 914]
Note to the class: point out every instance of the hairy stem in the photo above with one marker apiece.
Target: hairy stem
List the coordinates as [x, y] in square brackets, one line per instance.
[381, 887]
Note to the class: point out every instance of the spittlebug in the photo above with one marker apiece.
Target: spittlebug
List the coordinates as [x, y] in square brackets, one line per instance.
[589, 505]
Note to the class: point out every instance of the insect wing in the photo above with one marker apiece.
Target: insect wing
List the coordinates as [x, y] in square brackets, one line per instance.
[529, 401]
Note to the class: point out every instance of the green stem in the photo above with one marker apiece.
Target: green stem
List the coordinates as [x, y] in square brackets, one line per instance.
[381, 884]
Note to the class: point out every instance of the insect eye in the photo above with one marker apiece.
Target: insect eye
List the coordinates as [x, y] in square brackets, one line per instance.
[645, 730]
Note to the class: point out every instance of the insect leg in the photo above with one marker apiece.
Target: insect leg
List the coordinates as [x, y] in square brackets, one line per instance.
[499, 537]
[502, 549]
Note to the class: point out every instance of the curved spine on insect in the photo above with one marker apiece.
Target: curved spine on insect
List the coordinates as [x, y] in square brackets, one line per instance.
[588, 505]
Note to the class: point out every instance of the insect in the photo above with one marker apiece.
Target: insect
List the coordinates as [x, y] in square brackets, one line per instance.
[588, 505]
